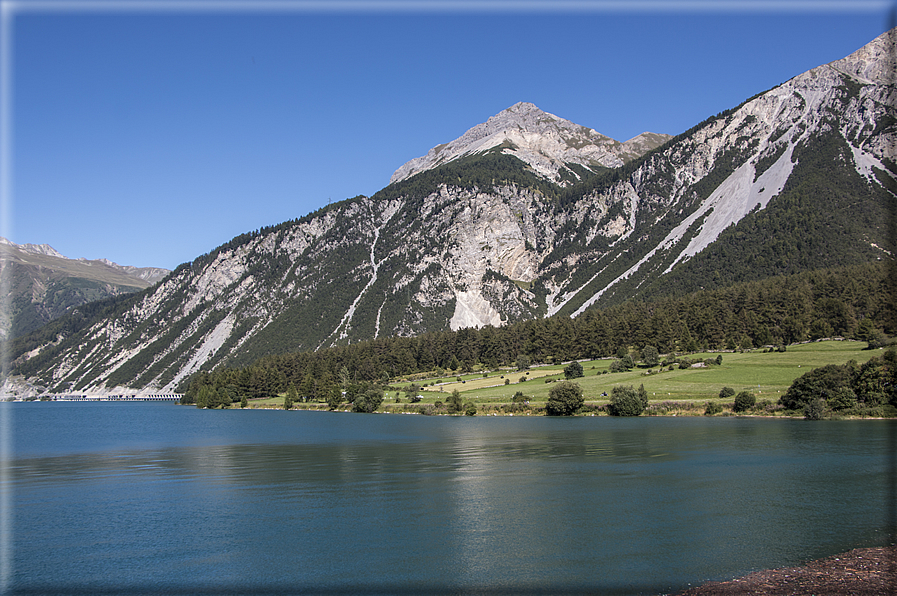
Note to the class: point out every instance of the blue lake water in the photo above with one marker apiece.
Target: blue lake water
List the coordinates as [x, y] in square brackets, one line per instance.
[158, 498]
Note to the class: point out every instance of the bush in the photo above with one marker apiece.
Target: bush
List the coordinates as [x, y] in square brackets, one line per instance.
[843, 399]
[823, 382]
[573, 370]
[713, 408]
[650, 357]
[617, 366]
[726, 392]
[368, 401]
[564, 399]
[744, 401]
[454, 402]
[625, 401]
[815, 409]
[470, 409]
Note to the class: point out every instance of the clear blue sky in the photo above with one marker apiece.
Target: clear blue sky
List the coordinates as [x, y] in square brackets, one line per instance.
[150, 137]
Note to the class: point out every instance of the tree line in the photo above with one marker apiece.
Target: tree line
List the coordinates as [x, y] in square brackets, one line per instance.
[851, 302]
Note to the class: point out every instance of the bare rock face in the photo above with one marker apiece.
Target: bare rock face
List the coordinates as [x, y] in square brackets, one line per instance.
[544, 141]
[451, 254]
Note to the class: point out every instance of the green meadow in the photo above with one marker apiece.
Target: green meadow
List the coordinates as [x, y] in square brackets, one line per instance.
[766, 374]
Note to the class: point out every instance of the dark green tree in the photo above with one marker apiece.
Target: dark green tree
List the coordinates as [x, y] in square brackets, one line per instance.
[573, 370]
[453, 402]
[823, 382]
[643, 396]
[744, 401]
[369, 401]
[333, 397]
[564, 399]
[625, 401]
[650, 356]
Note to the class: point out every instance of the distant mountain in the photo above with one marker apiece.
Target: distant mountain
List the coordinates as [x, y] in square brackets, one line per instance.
[523, 217]
[551, 146]
[44, 284]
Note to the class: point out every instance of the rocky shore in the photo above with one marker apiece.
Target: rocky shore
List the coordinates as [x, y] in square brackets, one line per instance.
[860, 572]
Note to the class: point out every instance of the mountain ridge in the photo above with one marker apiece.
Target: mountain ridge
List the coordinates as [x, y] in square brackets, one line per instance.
[485, 239]
[44, 284]
[546, 142]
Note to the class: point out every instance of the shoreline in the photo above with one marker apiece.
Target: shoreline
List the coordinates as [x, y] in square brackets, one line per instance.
[495, 411]
[859, 572]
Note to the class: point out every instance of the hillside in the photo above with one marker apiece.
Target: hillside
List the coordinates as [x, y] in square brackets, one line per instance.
[796, 178]
[44, 285]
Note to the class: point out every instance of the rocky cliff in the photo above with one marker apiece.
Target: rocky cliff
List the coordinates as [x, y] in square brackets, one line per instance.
[525, 216]
[550, 145]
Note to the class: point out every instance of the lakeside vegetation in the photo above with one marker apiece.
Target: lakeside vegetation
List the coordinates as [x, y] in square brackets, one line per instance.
[696, 384]
[623, 344]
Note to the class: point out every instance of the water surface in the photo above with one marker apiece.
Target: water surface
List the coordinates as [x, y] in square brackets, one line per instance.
[154, 497]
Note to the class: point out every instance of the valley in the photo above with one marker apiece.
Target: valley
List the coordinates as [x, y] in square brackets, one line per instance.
[529, 218]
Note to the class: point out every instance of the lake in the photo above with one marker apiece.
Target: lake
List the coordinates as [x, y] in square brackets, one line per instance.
[136, 498]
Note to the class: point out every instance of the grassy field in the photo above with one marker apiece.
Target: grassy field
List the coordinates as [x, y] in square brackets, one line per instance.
[767, 375]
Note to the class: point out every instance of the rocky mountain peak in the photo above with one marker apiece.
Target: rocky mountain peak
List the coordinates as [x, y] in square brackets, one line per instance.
[874, 63]
[547, 143]
[35, 249]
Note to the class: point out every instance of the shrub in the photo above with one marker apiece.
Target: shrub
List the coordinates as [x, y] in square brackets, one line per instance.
[368, 402]
[713, 408]
[744, 401]
[823, 382]
[518, 397]
[470, 409]
[617, 366]
[815, 409]
[573, 370]
[564, 399]
[650, 357]
[843, 399]
[625, 401]
[726, 392]
[454, 402]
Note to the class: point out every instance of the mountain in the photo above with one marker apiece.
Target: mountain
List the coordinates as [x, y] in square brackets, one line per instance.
[44, 285]
[513, 222]
[551, 146]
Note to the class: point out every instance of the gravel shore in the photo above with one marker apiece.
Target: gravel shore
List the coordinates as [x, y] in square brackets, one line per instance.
[860, 572]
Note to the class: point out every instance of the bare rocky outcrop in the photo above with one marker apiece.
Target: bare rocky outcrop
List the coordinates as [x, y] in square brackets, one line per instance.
[544, 141]
[457, 254]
